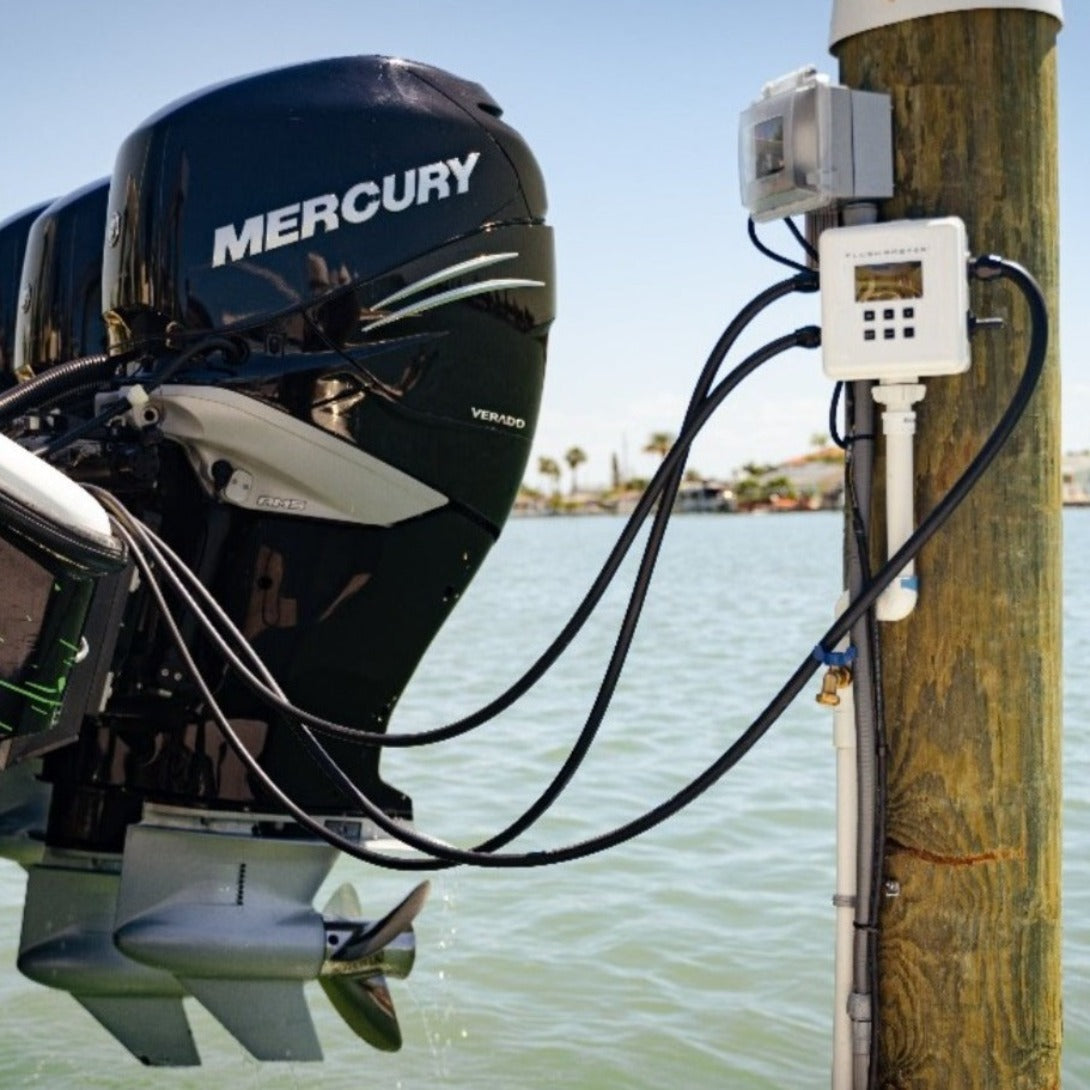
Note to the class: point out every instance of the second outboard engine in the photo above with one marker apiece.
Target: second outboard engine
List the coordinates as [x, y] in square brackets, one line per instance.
[23, 799]
[327, 291]
[60, 315]
[56, 586]
[13, 236]
[59, 319]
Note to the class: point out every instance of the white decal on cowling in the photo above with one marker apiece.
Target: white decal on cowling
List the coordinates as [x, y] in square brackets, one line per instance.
[281, 503]
[303, 219]
[490, 417]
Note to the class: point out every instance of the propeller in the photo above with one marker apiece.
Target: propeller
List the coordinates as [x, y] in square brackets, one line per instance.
[360, 954]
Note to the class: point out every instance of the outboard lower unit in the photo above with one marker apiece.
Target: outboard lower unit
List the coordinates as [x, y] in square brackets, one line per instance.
[326, 292]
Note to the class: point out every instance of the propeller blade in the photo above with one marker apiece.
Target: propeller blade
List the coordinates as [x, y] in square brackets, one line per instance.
[344, 904]
[366, 1007]
[384, 931]
[359, 957]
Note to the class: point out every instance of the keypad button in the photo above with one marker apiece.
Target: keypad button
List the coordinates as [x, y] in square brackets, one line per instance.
[888, 314]
[910, 332]
[868, 316]
[868, 334]
[889, 334]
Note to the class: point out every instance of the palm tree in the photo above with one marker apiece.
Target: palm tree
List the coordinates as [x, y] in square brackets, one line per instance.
[575, 457]
[757, 469]
[549, 467]
[659, 443]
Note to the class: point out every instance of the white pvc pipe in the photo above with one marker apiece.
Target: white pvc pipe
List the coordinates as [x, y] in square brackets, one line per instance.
[898, 600]
[844, 900]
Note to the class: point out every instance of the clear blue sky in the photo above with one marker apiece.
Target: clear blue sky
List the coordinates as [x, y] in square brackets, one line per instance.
[631, 109]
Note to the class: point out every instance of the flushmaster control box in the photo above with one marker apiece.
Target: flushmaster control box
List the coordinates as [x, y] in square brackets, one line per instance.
[895, 300]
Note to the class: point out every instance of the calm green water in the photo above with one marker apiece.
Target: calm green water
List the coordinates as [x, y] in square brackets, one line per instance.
[698, 956]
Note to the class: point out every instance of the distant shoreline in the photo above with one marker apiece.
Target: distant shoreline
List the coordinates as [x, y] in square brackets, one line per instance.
[811, 482]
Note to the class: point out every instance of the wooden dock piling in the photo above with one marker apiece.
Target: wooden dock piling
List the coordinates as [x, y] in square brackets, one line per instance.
[970, 987]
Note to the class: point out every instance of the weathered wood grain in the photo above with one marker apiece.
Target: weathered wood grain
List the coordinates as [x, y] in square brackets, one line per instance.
[970, 946]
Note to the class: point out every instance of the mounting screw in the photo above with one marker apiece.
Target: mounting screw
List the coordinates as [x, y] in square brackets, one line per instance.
[891, 887]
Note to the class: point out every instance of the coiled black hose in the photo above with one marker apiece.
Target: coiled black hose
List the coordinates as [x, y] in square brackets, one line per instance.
[56, 382]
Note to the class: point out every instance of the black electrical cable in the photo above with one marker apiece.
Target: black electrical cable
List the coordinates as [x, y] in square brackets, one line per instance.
[123, 405]
[54, 383]
[801, 239]
[842, 441]
[874, 894]
[661, 489]
[449, 856]
[694, 421]
[868, 695]
[301, 816]
[984, 268]
[769, 253]
[834, 408]
[667, 491]
[641, 584]
[699, 412]
[805, 281]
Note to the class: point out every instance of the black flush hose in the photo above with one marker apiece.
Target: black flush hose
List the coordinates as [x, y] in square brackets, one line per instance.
[441, 855]
[984, 268]
[54, 383]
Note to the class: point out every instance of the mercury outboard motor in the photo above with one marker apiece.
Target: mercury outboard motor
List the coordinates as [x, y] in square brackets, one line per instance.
[327, 291]
[58, 558]
[59, 319]
[23, 799]
[60, 315]
[365, 236]
[62, 567]
[13, 236]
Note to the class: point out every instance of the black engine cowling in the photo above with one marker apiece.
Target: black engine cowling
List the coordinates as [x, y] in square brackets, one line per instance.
[13, 238]
[363, 241]
[60, 313]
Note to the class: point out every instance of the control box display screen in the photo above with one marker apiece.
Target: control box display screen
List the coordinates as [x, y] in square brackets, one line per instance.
[889, 280]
